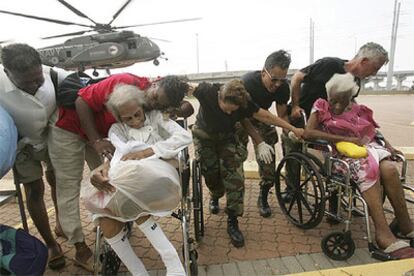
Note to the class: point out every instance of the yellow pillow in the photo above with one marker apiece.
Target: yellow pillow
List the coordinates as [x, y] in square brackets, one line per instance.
[351, 150]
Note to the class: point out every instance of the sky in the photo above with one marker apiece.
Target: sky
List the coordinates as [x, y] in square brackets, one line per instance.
[232, 35]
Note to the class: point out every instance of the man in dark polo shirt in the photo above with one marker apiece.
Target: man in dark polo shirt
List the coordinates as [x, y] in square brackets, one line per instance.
[268, 86]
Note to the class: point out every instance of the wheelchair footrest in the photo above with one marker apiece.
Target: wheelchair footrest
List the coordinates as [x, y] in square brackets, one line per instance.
[380, 255]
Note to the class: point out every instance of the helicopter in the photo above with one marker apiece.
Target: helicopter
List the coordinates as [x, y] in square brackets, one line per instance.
[108, 48]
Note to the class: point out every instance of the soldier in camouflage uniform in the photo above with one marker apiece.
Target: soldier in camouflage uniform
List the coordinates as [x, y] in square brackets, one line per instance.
[222, 167]
[218, 149]
[265, 87]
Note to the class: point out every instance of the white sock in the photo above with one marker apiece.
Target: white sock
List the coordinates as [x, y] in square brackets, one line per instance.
[120, 244]
[160, 242]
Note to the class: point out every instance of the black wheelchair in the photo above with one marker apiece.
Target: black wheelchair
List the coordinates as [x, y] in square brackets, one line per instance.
[106, 261]
[310, 184]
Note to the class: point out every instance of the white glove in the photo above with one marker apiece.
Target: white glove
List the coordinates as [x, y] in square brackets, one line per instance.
[293, 137]
[265, 152]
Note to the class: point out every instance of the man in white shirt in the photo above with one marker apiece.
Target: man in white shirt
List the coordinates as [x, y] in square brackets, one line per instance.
[27, 93]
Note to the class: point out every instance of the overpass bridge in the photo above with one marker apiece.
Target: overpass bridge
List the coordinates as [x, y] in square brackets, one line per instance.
[399, 77]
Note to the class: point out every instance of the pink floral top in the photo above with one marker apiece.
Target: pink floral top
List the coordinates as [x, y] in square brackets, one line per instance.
[357, 122]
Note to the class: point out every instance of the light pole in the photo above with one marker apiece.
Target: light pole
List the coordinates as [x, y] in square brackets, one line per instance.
[197, 53]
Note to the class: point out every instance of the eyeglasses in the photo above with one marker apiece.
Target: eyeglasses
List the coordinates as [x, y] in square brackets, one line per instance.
[275, 79]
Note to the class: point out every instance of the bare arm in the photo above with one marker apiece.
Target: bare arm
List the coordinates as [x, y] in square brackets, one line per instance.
[295, 84]
[87, 120]
[99, 178]
[251, 130]
[387, 145]
[192, 88]
[312, 132]
[266, 117]
[282, 112]
[185, 110]
[138, 155]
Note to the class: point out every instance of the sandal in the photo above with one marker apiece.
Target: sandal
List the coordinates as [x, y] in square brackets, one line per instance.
[400, 250]
[58, 261]
[88, 266]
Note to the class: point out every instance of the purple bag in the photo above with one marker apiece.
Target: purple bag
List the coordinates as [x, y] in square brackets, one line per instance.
[21, 253]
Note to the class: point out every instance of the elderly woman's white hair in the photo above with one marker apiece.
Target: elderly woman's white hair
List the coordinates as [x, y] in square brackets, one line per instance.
[341, 83]
[122, 94]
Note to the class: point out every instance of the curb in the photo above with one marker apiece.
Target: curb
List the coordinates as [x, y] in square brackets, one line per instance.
[401, 267]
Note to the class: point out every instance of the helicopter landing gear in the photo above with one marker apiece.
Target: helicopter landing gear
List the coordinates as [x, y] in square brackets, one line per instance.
[163, 56]
[95, 73]
[156, 62]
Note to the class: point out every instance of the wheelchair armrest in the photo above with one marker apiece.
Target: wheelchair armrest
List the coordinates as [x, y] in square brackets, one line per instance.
[401, 158]
[319, 144]
[182, 122]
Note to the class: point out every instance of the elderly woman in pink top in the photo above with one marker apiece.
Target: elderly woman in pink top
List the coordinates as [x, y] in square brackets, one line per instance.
[341, 119]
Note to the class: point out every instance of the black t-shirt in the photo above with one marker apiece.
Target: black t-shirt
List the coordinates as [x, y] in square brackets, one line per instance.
[210, 117]
[260, 95]
[317, 75]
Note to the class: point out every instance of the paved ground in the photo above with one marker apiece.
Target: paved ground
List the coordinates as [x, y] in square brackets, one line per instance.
[273, 245]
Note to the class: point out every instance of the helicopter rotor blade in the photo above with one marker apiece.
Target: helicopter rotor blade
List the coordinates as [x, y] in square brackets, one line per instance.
[75, 10]
[68, 34]
[119, 11]
[160, 39]
[159, 23]
[45, 19]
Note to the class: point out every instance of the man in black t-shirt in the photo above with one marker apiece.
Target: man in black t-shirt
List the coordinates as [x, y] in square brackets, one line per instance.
[268, 86]
[308, 84]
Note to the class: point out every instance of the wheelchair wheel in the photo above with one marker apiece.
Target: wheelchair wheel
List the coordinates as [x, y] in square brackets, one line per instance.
[304, 188]
[190, 260]
[197, 201]
[109, 260]
[338, 246]
[193, 262]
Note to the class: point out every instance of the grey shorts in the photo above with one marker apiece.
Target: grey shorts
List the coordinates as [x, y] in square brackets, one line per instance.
[28, 165]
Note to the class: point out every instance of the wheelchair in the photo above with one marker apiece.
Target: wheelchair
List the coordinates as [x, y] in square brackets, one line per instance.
[108, 263]
[311, 184]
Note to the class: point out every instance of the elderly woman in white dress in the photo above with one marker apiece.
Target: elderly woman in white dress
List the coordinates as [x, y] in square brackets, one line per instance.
[144, 182]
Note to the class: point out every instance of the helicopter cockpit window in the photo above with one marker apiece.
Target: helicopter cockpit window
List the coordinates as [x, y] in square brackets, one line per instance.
[132, 45]
[68, 54]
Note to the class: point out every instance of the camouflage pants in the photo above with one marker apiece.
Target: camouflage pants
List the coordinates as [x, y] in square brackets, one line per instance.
[221, 158]
[269, 135]
[288, 146]
[292, 168]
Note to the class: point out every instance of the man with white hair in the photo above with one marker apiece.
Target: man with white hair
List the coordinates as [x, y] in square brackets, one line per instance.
[308, 84]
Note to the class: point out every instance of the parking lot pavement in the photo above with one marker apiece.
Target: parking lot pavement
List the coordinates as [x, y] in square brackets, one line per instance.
[267, 239]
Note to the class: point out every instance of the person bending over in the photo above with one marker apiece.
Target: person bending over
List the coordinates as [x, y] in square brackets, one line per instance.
[219, 150]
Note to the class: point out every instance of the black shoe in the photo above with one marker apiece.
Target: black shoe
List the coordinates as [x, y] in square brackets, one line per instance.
[234, 232]
[264, 208]
[287, 196]
[214, 206]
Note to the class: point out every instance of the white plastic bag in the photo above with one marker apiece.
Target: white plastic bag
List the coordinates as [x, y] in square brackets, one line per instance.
[146, 186]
